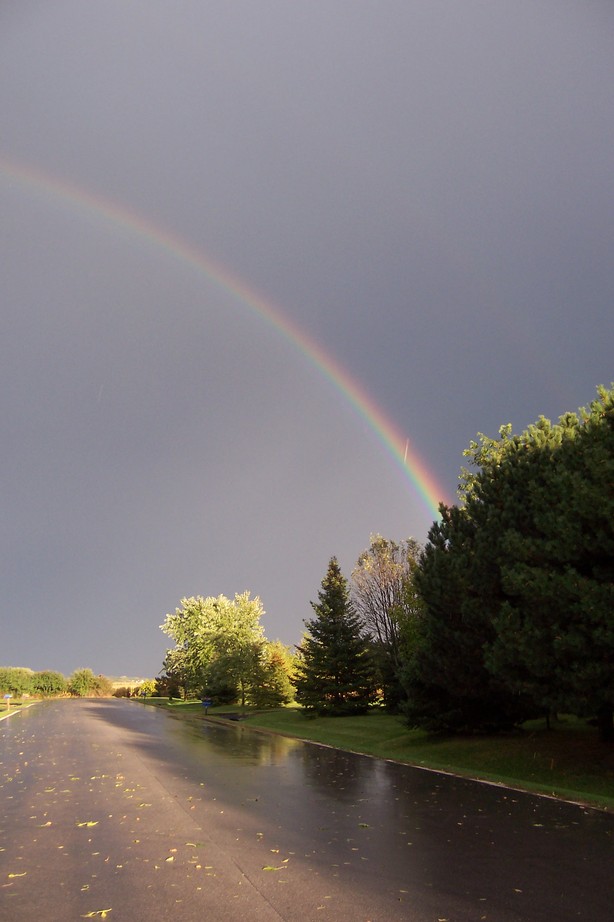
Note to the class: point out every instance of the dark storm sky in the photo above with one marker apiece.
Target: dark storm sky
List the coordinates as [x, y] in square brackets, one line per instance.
[425, 188]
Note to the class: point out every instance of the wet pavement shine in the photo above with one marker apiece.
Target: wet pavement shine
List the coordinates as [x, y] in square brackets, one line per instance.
[114, 810]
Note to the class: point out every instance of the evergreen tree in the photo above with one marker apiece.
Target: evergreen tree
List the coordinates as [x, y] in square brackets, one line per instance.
[554, 627]
[448, 685]
[518, 582]
[335, 674]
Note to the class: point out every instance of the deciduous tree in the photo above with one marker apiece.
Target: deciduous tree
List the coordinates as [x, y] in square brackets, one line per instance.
[218, 642]
[385, 597]
[16, 680]
[49, 683]
[273, 686]
[147, 688]
[84, 684]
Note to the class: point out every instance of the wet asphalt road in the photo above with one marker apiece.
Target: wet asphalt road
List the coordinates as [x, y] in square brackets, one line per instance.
[110, 809]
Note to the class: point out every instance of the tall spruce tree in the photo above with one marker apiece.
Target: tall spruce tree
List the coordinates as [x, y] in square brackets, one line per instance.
[335, 673]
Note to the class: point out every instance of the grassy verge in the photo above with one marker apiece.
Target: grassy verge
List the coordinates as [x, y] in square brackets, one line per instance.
[16, 705]
[568, 761]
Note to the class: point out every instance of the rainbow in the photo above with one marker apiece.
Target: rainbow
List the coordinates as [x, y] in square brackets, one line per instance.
[395, 442]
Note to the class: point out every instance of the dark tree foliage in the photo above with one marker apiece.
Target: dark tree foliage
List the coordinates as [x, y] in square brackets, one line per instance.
[447, 683]
[554, 627]
[518, 583]
[335, 674]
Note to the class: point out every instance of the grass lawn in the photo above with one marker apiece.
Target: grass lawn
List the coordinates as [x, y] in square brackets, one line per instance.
[568, 761]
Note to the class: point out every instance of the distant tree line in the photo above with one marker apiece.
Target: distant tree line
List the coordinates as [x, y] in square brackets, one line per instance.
[82, 683]
[506, 613]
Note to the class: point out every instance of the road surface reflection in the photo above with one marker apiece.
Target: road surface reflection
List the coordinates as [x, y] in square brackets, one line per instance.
[533, 858]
